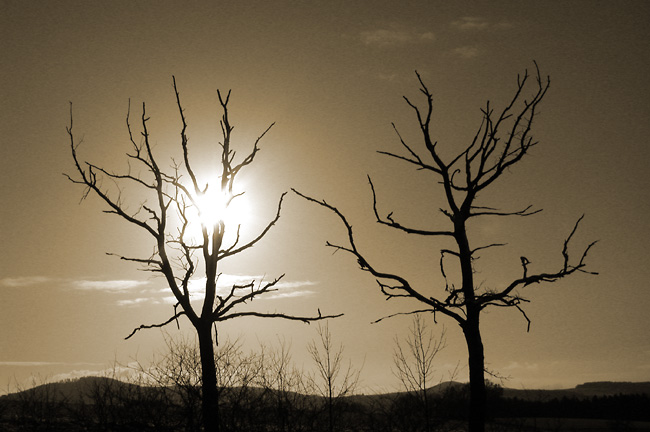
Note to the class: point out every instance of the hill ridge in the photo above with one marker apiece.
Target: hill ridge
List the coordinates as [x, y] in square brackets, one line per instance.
[76, 388]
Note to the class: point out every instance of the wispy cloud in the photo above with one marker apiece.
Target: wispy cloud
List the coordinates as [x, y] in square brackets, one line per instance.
[394, 36]
[471, 23]
[289, 294]
[32, 364]
[475, 23]
[137, 301]
[467, 52]
[116, 372]
[283, 289]
[162, 295]
[109, 285]
[294, 284]
[390, 77]
[24, 281]
[516, 365]
[226, 282]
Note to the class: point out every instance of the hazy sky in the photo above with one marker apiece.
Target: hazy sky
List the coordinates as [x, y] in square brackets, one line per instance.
[332, 75]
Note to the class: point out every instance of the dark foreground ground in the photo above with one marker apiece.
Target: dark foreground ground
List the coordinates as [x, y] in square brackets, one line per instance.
[497, 425]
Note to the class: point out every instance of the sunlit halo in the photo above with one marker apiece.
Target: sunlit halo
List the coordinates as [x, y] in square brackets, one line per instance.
[215, 206]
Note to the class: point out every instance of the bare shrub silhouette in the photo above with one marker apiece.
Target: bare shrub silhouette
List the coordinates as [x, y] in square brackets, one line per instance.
[414, 365]
[333, 378]
[284, 384]
[40, 406]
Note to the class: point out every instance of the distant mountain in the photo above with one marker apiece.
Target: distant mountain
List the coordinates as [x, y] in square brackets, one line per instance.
[609, 388]
[582, 391]
[77, 390]
[80, 390]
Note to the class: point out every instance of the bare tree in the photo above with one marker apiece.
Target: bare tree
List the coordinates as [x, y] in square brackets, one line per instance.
[284, 385]
[237, 375]
[41, 405]
[170, 202]
[501, 141]
[414, 363]
[178, 370]
[334, 379]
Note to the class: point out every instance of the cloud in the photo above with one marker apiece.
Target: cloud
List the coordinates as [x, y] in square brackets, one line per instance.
[390, 77]
[467, 52]
[282, 289]
[294, 284]
[290, 294]
[169, 300]
[471, 23]
[110, 285]
[116, 372]
[390, 37]
[226, 282]
[474, 23]
[32, 364]
[137, 301]
[516, 365]
[24, 281]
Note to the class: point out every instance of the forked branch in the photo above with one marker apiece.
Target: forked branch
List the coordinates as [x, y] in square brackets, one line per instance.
[505, 296]
[389, 221]
[401, 287]
[163, 324]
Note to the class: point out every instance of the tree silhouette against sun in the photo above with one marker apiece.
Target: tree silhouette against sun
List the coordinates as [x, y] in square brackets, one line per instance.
[194, 225]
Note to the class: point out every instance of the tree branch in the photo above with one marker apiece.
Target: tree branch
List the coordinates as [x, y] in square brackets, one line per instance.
[89, 179]
[389, 221]
[143, 326]
[402, 284]
[494, 212]
[231, 251]
[526, 279]
[304, 319]
[403, 313]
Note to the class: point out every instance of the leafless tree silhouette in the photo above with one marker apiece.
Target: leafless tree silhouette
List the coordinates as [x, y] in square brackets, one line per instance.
[414, 363]
[284, 385]
[501, 141]
[333, 379]
[167, 201]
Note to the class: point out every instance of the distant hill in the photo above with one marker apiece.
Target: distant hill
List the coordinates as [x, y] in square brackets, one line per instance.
[80, 389]
[102, 404]
[609, 388]
[77, 390]
[582, 391]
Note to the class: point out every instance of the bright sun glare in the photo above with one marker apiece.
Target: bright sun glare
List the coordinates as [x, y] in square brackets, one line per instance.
[216, 206]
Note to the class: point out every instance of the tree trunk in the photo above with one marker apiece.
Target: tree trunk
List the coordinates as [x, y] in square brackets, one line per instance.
[330, 410]
[477, 394]
[210, 395]
[425, 399]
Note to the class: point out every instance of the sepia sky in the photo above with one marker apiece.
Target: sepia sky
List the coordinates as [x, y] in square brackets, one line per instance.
[331, 74]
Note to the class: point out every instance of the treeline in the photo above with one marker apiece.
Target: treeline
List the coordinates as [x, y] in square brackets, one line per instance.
[635, 407]
[104, 404]
[264, 390]
[260, 390]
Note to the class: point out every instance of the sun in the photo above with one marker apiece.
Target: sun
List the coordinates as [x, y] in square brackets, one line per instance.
[215, 206]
